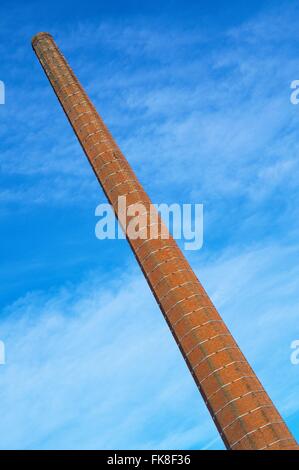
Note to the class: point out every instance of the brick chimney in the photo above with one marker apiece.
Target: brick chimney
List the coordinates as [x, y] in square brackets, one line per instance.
[241, 409]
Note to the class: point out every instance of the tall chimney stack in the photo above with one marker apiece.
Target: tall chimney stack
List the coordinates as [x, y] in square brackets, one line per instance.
[244, 415]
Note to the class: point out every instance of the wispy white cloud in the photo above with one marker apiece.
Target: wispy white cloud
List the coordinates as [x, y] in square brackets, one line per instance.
[94, 366]
[171, 97]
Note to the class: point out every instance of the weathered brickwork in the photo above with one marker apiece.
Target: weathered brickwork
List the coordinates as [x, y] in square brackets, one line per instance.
[241, 409]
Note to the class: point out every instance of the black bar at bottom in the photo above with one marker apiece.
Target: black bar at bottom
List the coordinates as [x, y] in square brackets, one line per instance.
[141, 459]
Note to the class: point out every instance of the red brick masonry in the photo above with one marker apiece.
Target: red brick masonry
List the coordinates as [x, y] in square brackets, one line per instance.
[241, 409]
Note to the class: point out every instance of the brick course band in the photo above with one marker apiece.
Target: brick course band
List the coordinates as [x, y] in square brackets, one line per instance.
[242, 411]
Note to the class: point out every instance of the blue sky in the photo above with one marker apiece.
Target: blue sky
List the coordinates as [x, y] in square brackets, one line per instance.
[198, 97]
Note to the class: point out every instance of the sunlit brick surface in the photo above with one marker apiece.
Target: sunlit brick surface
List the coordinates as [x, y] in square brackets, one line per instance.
[241, 409]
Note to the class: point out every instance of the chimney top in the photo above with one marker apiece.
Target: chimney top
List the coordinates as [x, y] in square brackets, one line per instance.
[40, 36]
